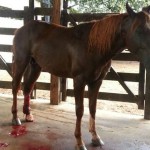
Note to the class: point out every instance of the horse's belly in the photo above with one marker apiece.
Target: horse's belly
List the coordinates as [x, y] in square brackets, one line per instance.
[57, 68]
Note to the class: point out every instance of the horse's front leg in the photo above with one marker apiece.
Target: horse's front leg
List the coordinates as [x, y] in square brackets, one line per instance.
[79, 92]
[93, 91]
[31, 75]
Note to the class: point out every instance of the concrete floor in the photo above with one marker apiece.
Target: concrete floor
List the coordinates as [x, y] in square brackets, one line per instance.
[53, 128]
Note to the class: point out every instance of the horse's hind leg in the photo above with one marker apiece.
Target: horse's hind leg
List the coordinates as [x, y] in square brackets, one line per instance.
[32, 74]
[18, 70]
[93, 91]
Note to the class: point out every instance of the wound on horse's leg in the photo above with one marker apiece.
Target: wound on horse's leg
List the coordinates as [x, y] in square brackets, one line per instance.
[27, 109]
[26, 106]
[32, 73]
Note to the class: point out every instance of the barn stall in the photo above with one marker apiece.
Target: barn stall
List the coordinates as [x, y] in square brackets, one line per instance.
[51, 125]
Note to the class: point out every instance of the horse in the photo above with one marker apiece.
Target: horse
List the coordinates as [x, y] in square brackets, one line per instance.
[83, 53]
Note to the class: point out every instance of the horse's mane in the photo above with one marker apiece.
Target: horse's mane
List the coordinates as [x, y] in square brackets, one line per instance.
[103, 32]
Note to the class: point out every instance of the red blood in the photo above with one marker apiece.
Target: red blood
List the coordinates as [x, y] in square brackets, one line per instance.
[18, 131]
[3, 145]
[27, 100]
[36, 147]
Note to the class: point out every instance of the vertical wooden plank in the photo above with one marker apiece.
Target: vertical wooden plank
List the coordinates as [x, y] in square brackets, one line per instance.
[31, 4]
[55, 85]
[63, 89]
[56, 11]
[147, 96]
[64, 23]
[28, 16]
[141, 86]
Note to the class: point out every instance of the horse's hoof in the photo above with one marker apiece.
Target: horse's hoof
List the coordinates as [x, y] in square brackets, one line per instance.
[29, 118]
[97, 142]
[16, 122]
[82, 147]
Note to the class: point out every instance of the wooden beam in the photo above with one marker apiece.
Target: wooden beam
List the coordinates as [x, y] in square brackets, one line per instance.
[43, 11]
[141, 86]
[147, 96]
[107, 96]
[12, 13]
[7, 31]
[55, 85]
[5, 48]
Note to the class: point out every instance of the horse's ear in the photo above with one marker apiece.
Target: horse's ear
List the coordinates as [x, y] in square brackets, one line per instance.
[130, 11]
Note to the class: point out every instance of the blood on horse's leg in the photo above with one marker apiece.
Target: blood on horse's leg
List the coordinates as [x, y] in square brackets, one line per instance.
[33, 72]
[26, 109]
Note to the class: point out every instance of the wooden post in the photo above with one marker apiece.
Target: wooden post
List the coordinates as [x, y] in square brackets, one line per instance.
[64, 21]
[64, 80]
[31, 4]
[55, 85]
[29, 16]
[147, 96]
[141, 86]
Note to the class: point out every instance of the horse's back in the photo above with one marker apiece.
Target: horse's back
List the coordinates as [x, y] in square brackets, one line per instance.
[57, 49]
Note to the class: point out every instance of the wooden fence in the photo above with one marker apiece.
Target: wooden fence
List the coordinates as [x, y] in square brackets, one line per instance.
[26, 15]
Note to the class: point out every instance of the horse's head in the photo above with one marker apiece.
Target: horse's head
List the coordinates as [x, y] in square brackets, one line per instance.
[146, 9]
[136, 30]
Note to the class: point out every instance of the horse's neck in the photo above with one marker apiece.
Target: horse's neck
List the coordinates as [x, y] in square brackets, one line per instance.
[117, 47]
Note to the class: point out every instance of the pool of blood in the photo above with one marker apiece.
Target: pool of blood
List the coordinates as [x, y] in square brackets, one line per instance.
[3, 144]
[31, 146]
[38, 148]
[18, 131]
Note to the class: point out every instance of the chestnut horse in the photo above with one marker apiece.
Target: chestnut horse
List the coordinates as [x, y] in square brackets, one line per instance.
[83, 53]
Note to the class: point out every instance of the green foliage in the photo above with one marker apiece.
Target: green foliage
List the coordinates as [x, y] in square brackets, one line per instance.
[106, 5]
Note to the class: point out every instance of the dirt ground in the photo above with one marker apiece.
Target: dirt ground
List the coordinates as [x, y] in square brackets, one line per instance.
[121, 107]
